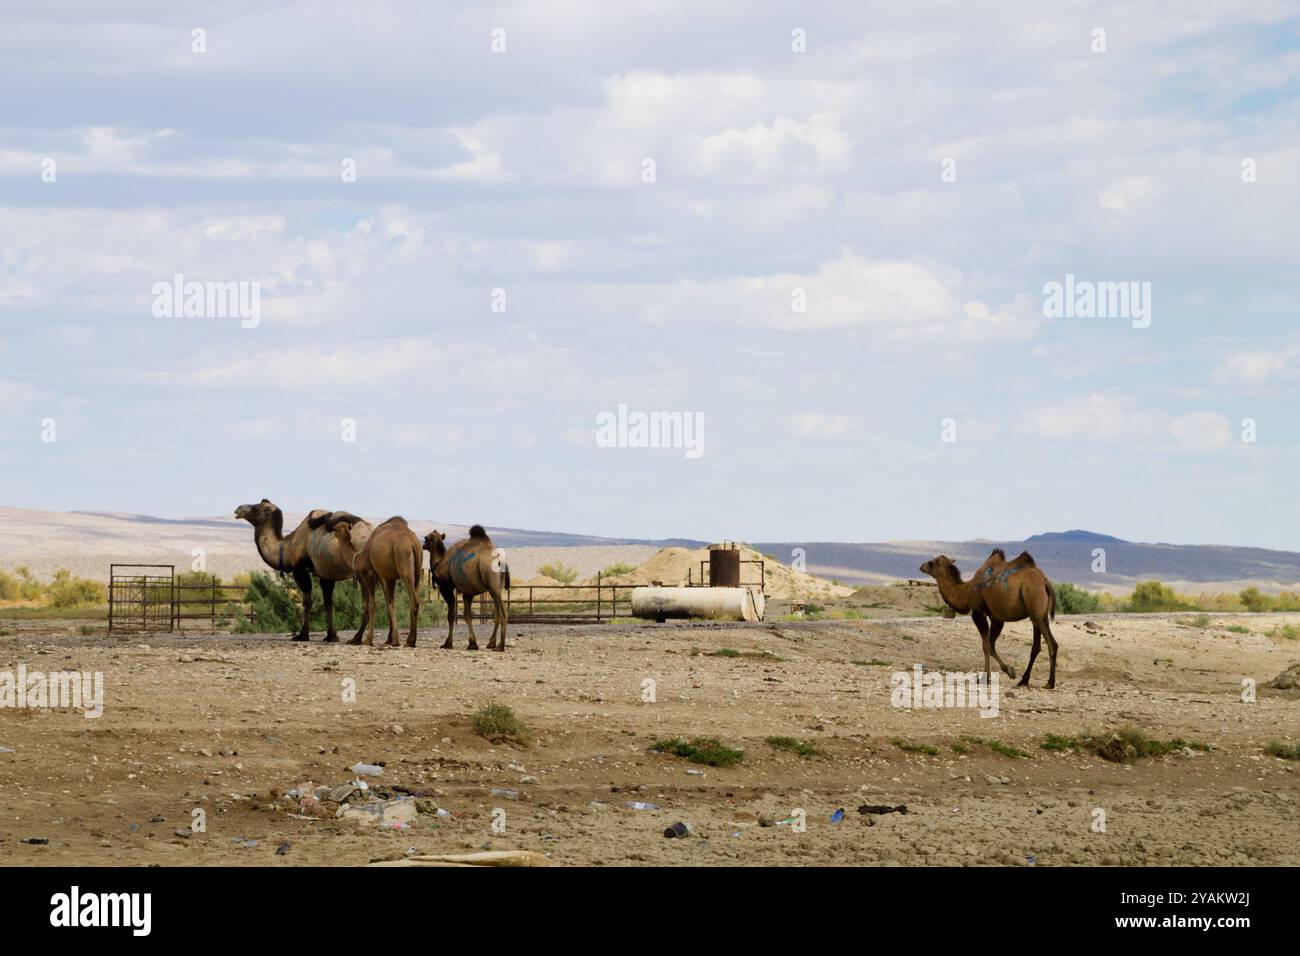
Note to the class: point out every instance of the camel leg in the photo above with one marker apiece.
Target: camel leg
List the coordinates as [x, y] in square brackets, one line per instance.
[1033, 652]
[368, 586]
[390, 596]
[303, 580]
[982, 624]
[449, 595]
[995, 628]
[499, 615]
[1051, 650]
[327, 589]
[414, 596]
[359, 637]
[469, 621]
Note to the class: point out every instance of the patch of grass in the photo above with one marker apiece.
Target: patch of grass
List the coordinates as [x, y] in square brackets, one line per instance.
[751, 655]
[1125, 745]
[1237, 629]
[498, 723]
[1275, 748]
[1201, 620]
[1288, 631]
[998, 747]
[960, 749]
[874, 662]
[912, 748]
[1056, 742]
[617, 570]
[706, 750]
[791, 745]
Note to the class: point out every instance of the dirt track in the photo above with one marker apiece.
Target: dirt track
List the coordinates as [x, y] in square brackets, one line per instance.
[218, 722]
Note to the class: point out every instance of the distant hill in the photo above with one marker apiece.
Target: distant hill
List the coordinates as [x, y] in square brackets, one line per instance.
[1075, 535]
[86, 542]
[1064, 556]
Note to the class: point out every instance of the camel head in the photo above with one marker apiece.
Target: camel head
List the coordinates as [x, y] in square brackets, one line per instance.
[940, 565]
[435, 542]
[259, 514]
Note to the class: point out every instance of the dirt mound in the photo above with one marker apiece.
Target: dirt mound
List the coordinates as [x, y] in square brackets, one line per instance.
[901, 599]
[677, 566]
[1289, 679]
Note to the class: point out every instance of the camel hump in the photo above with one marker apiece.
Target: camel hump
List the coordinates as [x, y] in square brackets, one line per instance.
[317, 517]
[998, 553]
[396, 519]
[335, 518]
[1024, 560]
[478, 532]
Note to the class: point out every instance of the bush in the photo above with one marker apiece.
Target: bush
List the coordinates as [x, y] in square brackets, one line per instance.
[1252, 600]
[498, 723]
[1154, 596]
[275, 606]
[616, 570]
[67, 591]
[1071, 599]
[559, 572]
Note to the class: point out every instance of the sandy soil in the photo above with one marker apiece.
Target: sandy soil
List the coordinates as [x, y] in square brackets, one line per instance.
[223, 723]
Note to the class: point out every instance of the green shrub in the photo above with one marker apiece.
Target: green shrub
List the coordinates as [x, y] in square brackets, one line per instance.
[1155, 596]
[275, 606]
[559, 572]
[1253, 600]
[66, 591]
[498, 723]
[706, 750]
[791, 745]
[616, 570]
[1071, 599]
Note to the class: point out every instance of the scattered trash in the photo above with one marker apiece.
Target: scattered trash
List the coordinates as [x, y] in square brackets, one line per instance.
[1030, 859]
[246, 844]
[385, 813]
[638, 805]
[882, 808]
[781, 823]
[35, 841]
[505, 794]
[367, 769]
[7, 750]
[282, 849]
[159, 819]
[838, 815]
[678, 831]
[185, 834]
[695, 773]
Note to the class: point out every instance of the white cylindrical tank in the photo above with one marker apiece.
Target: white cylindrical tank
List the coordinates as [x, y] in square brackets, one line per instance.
[714, 604]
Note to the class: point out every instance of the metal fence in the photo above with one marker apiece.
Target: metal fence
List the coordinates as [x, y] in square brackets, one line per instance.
[562, 603]
[141, 597]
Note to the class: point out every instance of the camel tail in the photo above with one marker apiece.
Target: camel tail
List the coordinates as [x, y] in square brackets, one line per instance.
[505, 577]
[1051, 600]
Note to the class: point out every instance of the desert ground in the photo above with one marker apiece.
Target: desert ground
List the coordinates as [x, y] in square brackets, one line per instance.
[231, 724]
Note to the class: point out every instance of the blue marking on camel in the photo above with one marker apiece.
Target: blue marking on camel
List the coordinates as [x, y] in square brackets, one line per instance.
[992, 580]
[458, 564]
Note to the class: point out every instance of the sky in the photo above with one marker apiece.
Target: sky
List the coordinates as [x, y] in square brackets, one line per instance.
[822, 233]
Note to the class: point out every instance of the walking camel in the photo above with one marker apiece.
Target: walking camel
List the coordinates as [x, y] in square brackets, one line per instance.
[392, 552]
[1001, 591]
[469, 568]
[323, 544]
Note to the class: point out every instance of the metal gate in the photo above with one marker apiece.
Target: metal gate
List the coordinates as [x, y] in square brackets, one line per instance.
[141, 597]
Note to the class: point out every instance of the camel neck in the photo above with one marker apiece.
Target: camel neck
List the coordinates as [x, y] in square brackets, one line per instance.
[270, 546]
[956, 593]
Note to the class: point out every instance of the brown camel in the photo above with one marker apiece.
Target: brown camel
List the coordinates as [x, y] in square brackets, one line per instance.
[1001, 591]
[392, 552]
[323, 544]
[469, 567]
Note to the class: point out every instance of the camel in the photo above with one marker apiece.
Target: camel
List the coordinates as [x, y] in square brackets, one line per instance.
[323, 544]
[392, 552]
[1001, 591]
[470, 567]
